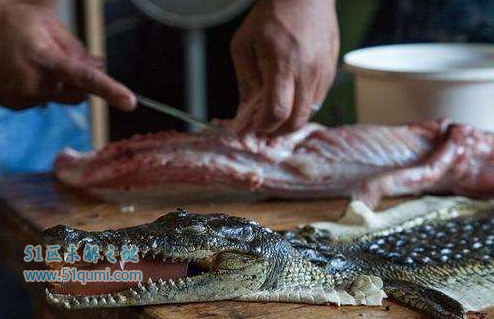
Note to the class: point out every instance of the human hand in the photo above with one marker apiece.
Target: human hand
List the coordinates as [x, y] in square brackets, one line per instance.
[285, 56]
[40, 61]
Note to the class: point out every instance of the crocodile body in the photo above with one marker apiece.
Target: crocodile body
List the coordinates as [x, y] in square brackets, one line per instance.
[441, 262]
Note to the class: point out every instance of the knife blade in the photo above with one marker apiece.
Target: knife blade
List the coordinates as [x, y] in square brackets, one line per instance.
[181, 115]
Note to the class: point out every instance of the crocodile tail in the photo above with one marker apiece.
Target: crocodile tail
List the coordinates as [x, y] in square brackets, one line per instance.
[467, 286]
[471, 284]
[431, 301]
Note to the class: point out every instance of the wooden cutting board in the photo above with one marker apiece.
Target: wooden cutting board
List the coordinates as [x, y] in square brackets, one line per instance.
[31, 203]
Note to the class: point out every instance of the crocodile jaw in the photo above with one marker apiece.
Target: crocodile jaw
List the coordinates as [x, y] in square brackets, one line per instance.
[364, 290]
[212, 286]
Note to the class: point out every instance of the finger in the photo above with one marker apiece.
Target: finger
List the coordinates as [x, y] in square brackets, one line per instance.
[306, 87]
[51, 84]
[321, 92]
[247, 114]
[247, 71]
[57, 91]
[323, 88]
[98, 62]
[249, 83]
[243, 118]
[302, 109]
[85, 78]
[279, 87]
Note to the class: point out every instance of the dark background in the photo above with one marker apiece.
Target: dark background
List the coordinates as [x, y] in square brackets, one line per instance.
[148, 57]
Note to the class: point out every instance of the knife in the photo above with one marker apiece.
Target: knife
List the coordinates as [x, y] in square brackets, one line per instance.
[186, 117]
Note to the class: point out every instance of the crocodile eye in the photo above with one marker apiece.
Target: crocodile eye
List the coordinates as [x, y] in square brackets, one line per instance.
[195, 228]
[338, 261]
[243, 232]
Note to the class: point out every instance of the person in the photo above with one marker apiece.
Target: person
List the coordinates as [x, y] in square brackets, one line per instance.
[42, 63]
[275, 51]
[285, 55]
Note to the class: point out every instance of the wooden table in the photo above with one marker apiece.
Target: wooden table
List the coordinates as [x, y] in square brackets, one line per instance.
[31, 203]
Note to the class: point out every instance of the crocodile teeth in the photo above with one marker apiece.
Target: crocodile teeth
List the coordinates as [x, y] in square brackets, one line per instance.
[121, 298]
[188, 279]
[111, 300]
[172, 283]
[181, 282]
[122, 264]
[151, 286]
[134, 293]
[86, 300]
[50, 295]
[161, 282]
[141, 287]
[94, 301]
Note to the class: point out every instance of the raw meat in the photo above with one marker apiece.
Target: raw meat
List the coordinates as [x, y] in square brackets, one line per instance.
[365, 162]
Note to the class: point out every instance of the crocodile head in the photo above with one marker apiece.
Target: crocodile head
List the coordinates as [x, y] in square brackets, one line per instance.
[190, 258]
[183, 257]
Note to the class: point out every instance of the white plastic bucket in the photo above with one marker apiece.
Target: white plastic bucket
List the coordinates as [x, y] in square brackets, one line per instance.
[402, 83]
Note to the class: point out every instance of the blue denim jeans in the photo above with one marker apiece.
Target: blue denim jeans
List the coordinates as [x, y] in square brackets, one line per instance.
[30, 139]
